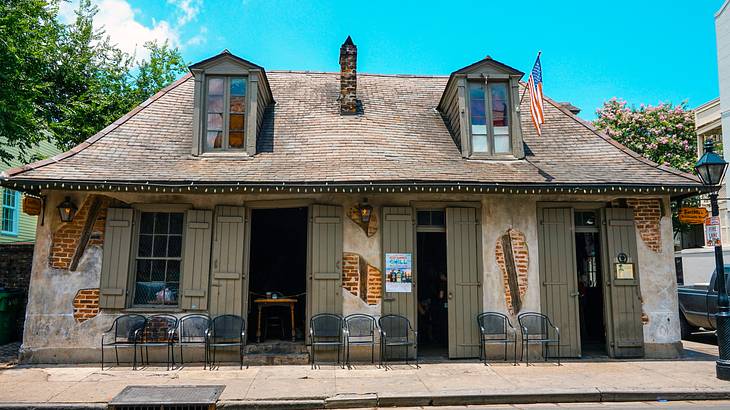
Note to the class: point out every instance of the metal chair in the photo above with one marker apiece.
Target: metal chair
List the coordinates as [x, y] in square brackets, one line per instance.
[359, 331]
[191, 331]
[226, 331]
[159, 331]
[495, 327]
[124, 332]
[536, 329]
[325, 330]
[395, 331]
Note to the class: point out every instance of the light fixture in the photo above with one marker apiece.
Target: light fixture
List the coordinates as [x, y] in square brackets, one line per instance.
[711, 167]
[366, 211]
[67, 210]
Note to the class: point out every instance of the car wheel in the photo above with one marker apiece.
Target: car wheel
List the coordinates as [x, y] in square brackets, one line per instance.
[685, 327]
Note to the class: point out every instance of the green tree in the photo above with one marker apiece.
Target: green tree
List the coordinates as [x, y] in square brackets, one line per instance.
[64, 82]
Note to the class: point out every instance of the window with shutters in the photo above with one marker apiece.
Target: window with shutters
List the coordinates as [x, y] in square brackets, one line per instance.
[158, 258]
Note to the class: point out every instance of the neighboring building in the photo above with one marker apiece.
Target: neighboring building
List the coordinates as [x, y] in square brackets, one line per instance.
[236, 181]
[722, 33]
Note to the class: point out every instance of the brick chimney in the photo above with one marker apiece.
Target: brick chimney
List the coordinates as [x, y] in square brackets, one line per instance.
[348, 77]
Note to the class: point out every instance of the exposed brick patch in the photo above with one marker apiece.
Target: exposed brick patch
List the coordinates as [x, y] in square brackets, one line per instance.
[360, 278]
[647, 216]
[86, 304]
[66, 238]
[521, 257]
[374, 285]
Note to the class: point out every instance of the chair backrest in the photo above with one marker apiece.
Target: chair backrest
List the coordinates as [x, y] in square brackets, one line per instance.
[125, 327]
[326, 325]
[359, 325]
[395, 326]
[493, 324]
[227, 327]
[191, 328]
[158, 328]
[534, 325]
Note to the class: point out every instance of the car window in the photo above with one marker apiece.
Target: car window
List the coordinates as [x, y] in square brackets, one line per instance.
[727, 281]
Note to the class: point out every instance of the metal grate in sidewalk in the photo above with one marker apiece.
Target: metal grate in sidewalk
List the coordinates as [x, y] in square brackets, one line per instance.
[167, 398]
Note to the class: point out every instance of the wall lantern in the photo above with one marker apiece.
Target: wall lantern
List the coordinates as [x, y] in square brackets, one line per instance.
[67, 210]
[365, 211]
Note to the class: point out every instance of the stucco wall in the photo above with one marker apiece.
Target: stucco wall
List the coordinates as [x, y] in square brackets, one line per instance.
[52, 334]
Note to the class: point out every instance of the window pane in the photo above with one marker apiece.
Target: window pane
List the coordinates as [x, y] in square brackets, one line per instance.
[423, 218]
[501, 140]
[157, 274]
[238, 103]
[176, 223]
[174, 246]
[144, 292]
[215, 103]
[479, 143]
[215, 86]
[498, 92]
[145, 246]
[214, 139]
[161, 222]
[437, 218]
[235, 122]
[215, 122]
[238, 86]
[143, 270]
[171, 291]
[235, 139]
[173, 271]
[160, 246]
[147, 222]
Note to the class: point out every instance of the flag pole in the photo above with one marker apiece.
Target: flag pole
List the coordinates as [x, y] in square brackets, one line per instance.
[539, 52]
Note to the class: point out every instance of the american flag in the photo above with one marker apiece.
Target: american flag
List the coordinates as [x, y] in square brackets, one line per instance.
[534, 86]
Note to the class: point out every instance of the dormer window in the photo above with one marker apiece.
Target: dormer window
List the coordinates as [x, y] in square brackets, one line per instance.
[226, 109]
[489, 117]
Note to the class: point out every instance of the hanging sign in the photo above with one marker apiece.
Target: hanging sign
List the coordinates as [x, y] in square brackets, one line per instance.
[32, 205]
[398, 272]
[712, 231]
[691, 215]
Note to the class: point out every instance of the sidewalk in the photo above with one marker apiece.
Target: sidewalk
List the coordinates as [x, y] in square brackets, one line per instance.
[690, 378]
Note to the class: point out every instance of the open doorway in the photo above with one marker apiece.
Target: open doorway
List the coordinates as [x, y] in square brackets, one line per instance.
[433, 324]
[277, 279]
[590, 284]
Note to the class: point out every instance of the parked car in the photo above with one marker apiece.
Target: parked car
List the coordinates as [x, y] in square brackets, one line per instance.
[698, 304]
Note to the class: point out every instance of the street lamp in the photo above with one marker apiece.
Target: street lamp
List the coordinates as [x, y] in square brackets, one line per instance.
[711, 169]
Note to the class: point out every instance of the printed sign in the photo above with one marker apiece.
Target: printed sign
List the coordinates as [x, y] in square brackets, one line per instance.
[398, 272]
[693, 216]
[32, 205]
[624, 271]
[712, 231]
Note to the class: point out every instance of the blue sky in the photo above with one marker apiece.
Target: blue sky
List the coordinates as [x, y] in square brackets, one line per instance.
[641, 51]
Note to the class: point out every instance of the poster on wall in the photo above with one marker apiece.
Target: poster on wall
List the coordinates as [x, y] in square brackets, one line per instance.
[712, 231]
[398, 272]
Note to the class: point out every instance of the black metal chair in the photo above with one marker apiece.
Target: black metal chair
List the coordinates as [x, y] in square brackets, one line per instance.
[495, 328]
[396, 331]
[325, 330]
[536, 328]
[359, 331]
[159, 331]
[226, 331]
[124, 332]
[191, 331]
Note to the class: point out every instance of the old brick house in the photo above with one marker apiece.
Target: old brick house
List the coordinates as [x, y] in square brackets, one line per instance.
[431, 197]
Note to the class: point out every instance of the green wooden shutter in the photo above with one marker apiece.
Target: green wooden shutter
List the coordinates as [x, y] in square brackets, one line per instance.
[326, 260]
[626, 333]
[116, 258]
[464, 281]
[558, 274]
[196, 265]
[398, 238]
[227, 273]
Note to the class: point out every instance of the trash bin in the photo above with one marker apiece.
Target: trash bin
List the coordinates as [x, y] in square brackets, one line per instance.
[10, 307]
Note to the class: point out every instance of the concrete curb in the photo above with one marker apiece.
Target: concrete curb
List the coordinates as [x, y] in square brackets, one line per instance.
[371, 400]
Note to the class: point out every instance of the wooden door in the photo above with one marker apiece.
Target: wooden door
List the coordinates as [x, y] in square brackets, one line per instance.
[623, 301]
[398, 236]
[558, 276]
[464, 281]
[228, 290]
[325, 260]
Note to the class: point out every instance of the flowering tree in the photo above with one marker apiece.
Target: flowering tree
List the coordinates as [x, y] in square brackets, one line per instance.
[664, 133]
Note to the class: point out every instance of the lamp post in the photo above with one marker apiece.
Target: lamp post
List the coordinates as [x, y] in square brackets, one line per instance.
[711, 169]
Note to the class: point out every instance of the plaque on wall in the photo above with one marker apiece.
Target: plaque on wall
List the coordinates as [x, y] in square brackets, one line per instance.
[624, 270]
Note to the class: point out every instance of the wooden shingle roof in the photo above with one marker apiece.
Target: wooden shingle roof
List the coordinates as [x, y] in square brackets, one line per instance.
[400, 139]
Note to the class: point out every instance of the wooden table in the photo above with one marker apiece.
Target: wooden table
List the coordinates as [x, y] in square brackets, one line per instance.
[275, 302]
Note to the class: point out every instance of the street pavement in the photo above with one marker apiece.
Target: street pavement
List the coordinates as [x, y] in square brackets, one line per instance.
[647, 382]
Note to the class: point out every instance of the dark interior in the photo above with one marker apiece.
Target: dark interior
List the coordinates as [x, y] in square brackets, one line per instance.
[433, 328]
[278, 264]
[590, 293]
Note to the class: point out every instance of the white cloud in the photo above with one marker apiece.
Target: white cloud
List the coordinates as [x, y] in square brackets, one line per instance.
[121, 23]
[198, 38]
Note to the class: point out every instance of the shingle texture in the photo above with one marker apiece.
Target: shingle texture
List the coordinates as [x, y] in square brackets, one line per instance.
[400, 136]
